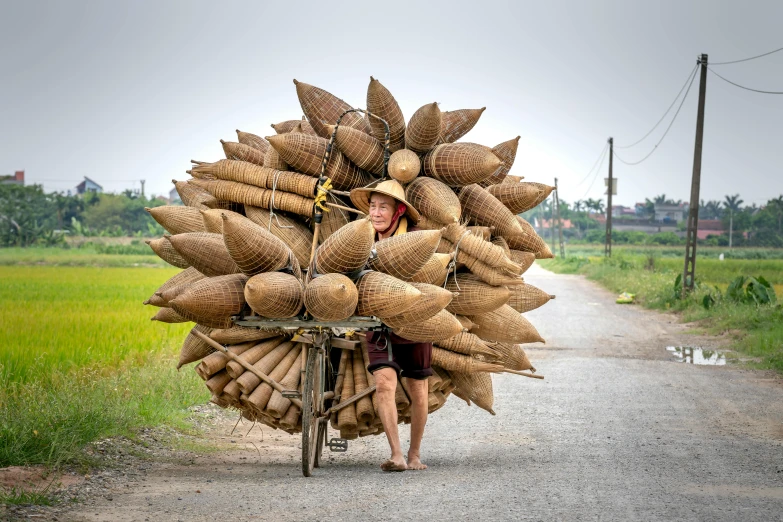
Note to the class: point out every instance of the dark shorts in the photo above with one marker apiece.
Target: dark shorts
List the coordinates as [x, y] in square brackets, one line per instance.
[409, 359]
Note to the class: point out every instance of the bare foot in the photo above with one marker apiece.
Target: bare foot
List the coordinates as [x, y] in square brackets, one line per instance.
[415, 464]
[394, 464]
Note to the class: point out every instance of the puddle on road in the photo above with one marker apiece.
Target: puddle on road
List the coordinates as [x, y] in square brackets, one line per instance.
[692, 355]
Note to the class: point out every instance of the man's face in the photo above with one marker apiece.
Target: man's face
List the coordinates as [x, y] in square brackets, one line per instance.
[382, 209]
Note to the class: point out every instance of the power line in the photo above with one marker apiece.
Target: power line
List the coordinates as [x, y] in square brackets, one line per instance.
[603, 158]
[664, 114]
[603, 151]
[685, 97]
[747, 59]
[742, 86]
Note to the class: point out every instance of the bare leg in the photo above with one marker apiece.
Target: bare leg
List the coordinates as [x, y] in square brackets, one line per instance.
[386, 385]
[418, 394]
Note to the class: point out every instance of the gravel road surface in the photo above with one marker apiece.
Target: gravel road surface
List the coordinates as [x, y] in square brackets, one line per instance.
[618, 431]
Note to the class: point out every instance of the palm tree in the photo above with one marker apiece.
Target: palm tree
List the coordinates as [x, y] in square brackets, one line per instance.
[776, 207]
[660, 199]
[599, 206]
[578, 205]
[733, 203]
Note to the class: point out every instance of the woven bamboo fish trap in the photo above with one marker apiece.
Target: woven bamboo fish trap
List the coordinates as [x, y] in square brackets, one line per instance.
[523, 259]
[193, 196]
[331, 297]
[274, 160]
[483, 232]
[512, 356]
[347, 250]
[298, 237]
[258, 197]
[240, 334]
[382, 295]
[213, 219]
[172, 292]
[347, 422]
[402, 256]
[455, 362]
[433, 299]
[476, 387]
[434, 271]
[205, 252]
[434, 200]
[285, 127]
[261, 395]
[509, 179]
[426, 223]
[361, 148]
[520, 197]
[253, 248]
[276, 364]
[491, 276]
[323, 108]
[466, 343]
[483, 208]
[241, 152]
[262, 177]
[423, 129]
[507, 152]
[460, 164]
[176, 219]
[194, 349]
[455, 124]
[257, 142]
[527, 297]
[278, 405]
[529, 241]
[212, 301]
[442, 325]
[381, 103]
[274, 294]
[500, 242]
[333, 220]
[365, 413]
[474, 296]
[162, 247]
[257, 353]
[484, 251]
[189, 275]
[505, 325]
[467, 324]
[215, 362]
[404, 166]
[167, 315]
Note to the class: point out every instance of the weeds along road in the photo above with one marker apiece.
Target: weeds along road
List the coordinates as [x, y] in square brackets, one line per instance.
[617, 431]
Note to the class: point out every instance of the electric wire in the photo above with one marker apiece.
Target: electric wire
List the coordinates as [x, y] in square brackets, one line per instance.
[747, 59]
[742, 86]
[603, 158]
[693, 71]
[603, 151]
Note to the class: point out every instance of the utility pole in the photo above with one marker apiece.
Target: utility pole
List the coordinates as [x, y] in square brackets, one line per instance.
[559, 221]
[689, 271]
[552, 221]
[609, 187]
[731, 225]
[142, 187]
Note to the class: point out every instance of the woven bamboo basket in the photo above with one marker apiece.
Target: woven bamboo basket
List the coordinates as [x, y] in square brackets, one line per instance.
[217, 383]
[365, 413]
[194, 349]
[262, 177]
[507, 152]
[460, 164]
[434, 271]
[176, 219]
[276, 364]
[455, 362]
[297, 236]
[241, 152]
[404, 166]
[505, 325]
[254, 354]
[213, 219]
[323, 108]
[274, 294]
[423, 128]
[486, 252]
[483, 232]
[455, 124]
[381, 103]
[205, 252]
[500, 242]
[248, 381]
[162, 247]
[512, 356]
[433, 299]
[189, 275]
[215, 362]
[529, 241]
[263, 393]
[359, 147]
[346, 250]
[523, 259]
[467, 324]
[491, 276]
[331, 297]
[278, 405]
[402, 256]
[520, 197]
[274, 160]
[285, 127]
[442, 325]
[474, 296]
[476, 387]
[258, 197]
[466, 343]
[483, 208]
[333, 220]
[252, 248]
[257, 142]
[212, 302]
[346, 417]
[382, 295]
[434, 200]
[434, 382]
[240, 334]
[527, 297]
[193, 196]
[167, 315]
[426, 223]
[172, 292]
[509, 179]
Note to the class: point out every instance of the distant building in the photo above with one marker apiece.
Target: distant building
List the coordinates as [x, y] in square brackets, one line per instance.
[174, 196]
[16, 179]
[547, 223]
[709, 227]
[621, 211]
[669, 213]
[88, 185]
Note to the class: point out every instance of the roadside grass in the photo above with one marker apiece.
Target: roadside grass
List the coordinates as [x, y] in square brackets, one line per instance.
[756, 330]
[89, 255]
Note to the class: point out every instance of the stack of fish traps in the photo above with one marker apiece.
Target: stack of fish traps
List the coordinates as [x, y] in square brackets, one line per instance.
[244, 237]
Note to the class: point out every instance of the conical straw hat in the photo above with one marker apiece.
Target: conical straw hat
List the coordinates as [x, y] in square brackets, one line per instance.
[194, 349]
[528, 241]
[346, 250]
[507, 152]
[193, 196]
[359, 147]
[166, 252]
[524, 298]
[297, 236]
[455, 362]
[475, 296]
[404, 166]
[505, 325]
[382, 295]
[466, 343]
[167, 315]
[252, 248]
[434, 199]
[241, 152]
[361, 197]
[433, 299]
[520, 197]
[177, 219]
[460, 164]
[475, 386]
[189, 275]
[523, 259]
[274, 294]
[381, 103]
[206, 252]
[402, 256]
[323, 108]
[512, 356]
[455, 124]
[483, 208]
[331, 297]
[442, 325]
[423, 129]
[212, 301]
[257, 142]
[213, 219]
[434, 270]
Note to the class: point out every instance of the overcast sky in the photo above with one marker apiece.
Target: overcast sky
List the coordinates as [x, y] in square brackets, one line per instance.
[121, 92]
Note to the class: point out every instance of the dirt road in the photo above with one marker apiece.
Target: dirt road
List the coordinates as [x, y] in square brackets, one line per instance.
[617, 431]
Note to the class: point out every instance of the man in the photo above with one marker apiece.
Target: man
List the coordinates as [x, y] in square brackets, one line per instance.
[391, 356]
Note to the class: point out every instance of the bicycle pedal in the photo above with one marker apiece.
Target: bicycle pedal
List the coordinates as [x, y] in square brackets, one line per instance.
[338, 445]
[291, 394]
